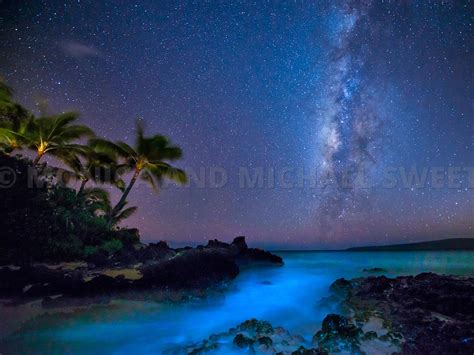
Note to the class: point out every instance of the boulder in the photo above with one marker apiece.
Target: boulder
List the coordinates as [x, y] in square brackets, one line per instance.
[155, 252]
[303, 351]
[217, 244]
[190, 269]
[341, 287]
[258, 256]
[265, 341]
[241, 341]
[337, 335]
[256, 327]
[29, 281]
[239, 244]
[252, 336]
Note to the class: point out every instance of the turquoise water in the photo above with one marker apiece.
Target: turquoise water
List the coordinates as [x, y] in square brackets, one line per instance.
[286, 296]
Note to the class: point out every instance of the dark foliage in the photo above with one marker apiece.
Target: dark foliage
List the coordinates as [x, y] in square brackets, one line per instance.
[42, 220]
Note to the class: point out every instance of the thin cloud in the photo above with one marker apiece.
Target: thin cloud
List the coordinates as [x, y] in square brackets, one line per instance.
[78, 50]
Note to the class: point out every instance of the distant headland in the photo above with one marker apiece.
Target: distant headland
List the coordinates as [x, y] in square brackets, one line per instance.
[443, 244]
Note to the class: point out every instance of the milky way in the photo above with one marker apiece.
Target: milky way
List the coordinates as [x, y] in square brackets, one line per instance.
[351, 123]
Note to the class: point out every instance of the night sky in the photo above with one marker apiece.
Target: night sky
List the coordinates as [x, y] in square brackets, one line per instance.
[295, 88]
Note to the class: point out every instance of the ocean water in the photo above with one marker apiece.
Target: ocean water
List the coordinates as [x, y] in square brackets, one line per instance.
[287, 296]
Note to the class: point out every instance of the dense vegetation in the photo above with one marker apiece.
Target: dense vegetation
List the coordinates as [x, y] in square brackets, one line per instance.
[44, 218]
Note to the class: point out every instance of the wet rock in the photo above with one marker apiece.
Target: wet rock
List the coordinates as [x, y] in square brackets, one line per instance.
[264, 327]
[265, 341]
[337, 334]
[376, 286]
[191, 269]
[425, 314]
[254, 255]
[256, 327]
[303, 351]
[206, 347]
[341, 287]
[241, 341]
[253, 336]
[370, 335]
[249, 325]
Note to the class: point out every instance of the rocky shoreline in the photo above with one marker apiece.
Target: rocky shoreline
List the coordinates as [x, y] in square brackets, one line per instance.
[423, 314]
[154, 266]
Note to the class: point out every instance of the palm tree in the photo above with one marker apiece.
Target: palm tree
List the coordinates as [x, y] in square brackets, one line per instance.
[52, 135]
[147, 159]
[9, 109]
[11, 133]
[98, 200]
[13, 117]
[97, 166]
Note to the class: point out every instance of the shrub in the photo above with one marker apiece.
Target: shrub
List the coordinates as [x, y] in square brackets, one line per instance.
[112, 246]
[90, 250]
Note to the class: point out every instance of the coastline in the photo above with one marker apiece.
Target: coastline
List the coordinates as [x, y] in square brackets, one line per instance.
[375, 316]
[255, 293]
[138, 268]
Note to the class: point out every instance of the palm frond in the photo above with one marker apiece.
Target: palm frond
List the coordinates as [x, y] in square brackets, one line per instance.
[59, 122]
[131, 153]
[120, 184]
[120, 149]
[124, 214]
[5, 90]
[98, 199]
[162, 170]
[75, 132]
[97, 194]
[147, 177]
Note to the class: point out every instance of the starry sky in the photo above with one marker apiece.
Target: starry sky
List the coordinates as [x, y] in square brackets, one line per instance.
[308, 93]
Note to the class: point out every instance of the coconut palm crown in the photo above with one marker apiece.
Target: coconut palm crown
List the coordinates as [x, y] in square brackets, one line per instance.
[51, 135]
[148, 159]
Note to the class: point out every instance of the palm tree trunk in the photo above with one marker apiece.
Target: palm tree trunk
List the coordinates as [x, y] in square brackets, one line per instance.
[83, 185]
[37, 159]
[121, 203]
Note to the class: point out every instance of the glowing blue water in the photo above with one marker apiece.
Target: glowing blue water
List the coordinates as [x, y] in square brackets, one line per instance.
[287, 296]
